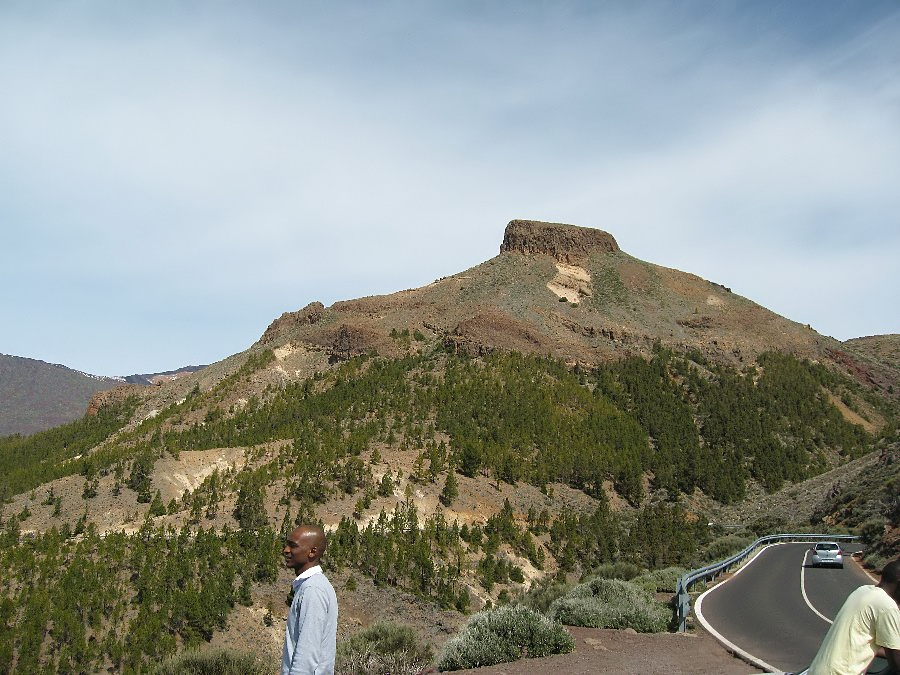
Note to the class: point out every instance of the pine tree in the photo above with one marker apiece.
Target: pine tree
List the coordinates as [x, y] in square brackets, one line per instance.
[156, 506]
[386, 486]
[250, 511]
[451, 489]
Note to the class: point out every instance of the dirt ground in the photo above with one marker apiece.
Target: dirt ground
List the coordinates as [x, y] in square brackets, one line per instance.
[600, 650]
[597, 650]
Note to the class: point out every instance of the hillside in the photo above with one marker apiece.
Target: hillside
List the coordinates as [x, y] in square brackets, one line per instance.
[881, 356]
[559, 408]
[35, 395]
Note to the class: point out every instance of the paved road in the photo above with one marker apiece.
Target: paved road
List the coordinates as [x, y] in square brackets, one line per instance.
[778, 609]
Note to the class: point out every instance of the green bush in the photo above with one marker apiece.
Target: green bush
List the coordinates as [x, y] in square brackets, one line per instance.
[876, 554]
[382, 649]
[219, 662]
[611, 603]
[660, 581]
[725, 547]
[542, 594]
[506, 634]
[617, 570]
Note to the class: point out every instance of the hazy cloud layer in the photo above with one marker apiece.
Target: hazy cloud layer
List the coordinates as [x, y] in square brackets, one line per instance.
[173, 178]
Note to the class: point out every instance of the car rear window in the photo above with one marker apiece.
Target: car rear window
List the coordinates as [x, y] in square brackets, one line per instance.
[827, 547]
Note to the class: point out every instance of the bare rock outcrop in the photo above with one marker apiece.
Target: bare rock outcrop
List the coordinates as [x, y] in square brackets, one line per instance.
[488, 331]
[307, 316]
[102, 398]
[569, 244]
[856, 369]
[350, 341]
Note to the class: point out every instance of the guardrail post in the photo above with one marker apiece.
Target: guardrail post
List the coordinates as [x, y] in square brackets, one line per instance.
[684, 608]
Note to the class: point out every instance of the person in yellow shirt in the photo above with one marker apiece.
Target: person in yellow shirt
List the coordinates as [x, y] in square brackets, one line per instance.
[868, 625]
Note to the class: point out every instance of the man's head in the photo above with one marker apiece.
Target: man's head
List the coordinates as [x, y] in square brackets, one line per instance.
[304, 548]
[890, 579]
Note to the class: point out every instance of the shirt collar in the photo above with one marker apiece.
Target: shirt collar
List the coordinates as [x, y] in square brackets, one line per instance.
[315, 569]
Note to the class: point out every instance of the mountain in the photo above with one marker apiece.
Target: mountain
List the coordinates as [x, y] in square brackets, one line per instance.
[35, 395]
[558, 290]
[561, 410]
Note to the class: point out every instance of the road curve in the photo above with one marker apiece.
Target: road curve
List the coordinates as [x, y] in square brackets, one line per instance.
[776, 609]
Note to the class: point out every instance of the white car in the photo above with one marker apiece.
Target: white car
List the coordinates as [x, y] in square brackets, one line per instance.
[827, 553]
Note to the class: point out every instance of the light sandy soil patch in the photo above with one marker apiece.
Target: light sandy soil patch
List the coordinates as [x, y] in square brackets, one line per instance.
[173, 476]
[714, 301]
[850, 415]
[281, 353]
[571, 282]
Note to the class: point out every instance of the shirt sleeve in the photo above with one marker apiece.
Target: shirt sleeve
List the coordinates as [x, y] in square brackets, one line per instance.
[887, 628]
[312, 619]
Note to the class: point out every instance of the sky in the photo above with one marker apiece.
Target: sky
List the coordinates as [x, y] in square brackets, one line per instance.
[174, 176]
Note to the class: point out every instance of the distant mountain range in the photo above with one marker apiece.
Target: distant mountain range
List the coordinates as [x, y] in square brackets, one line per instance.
[36, 395]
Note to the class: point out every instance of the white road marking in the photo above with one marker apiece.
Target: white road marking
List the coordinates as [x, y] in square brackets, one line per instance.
[803, 590]
[753, 660]
[746, 656]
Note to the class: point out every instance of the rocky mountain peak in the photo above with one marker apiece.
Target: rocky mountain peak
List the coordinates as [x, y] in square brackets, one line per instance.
[567, 243]
[307, 316]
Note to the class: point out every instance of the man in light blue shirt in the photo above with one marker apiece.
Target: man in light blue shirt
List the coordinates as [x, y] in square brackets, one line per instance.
[310, 638]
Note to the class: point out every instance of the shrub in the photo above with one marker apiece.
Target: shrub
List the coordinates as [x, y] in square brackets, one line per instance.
[611, 603]
[769, 525]
[617, 570]
[660, 581]
[219, 662]
[383, 648]
[541, 595]
[725, 547]
[372, 663]
[876, 554]
[502, 635]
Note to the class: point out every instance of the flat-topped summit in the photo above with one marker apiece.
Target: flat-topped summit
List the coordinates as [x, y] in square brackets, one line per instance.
[567, 243]
[554, 289]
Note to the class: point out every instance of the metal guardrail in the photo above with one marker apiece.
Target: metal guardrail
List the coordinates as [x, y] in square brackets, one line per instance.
[683, 597]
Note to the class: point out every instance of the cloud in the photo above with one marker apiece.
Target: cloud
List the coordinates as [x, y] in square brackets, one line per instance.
[172, 178]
